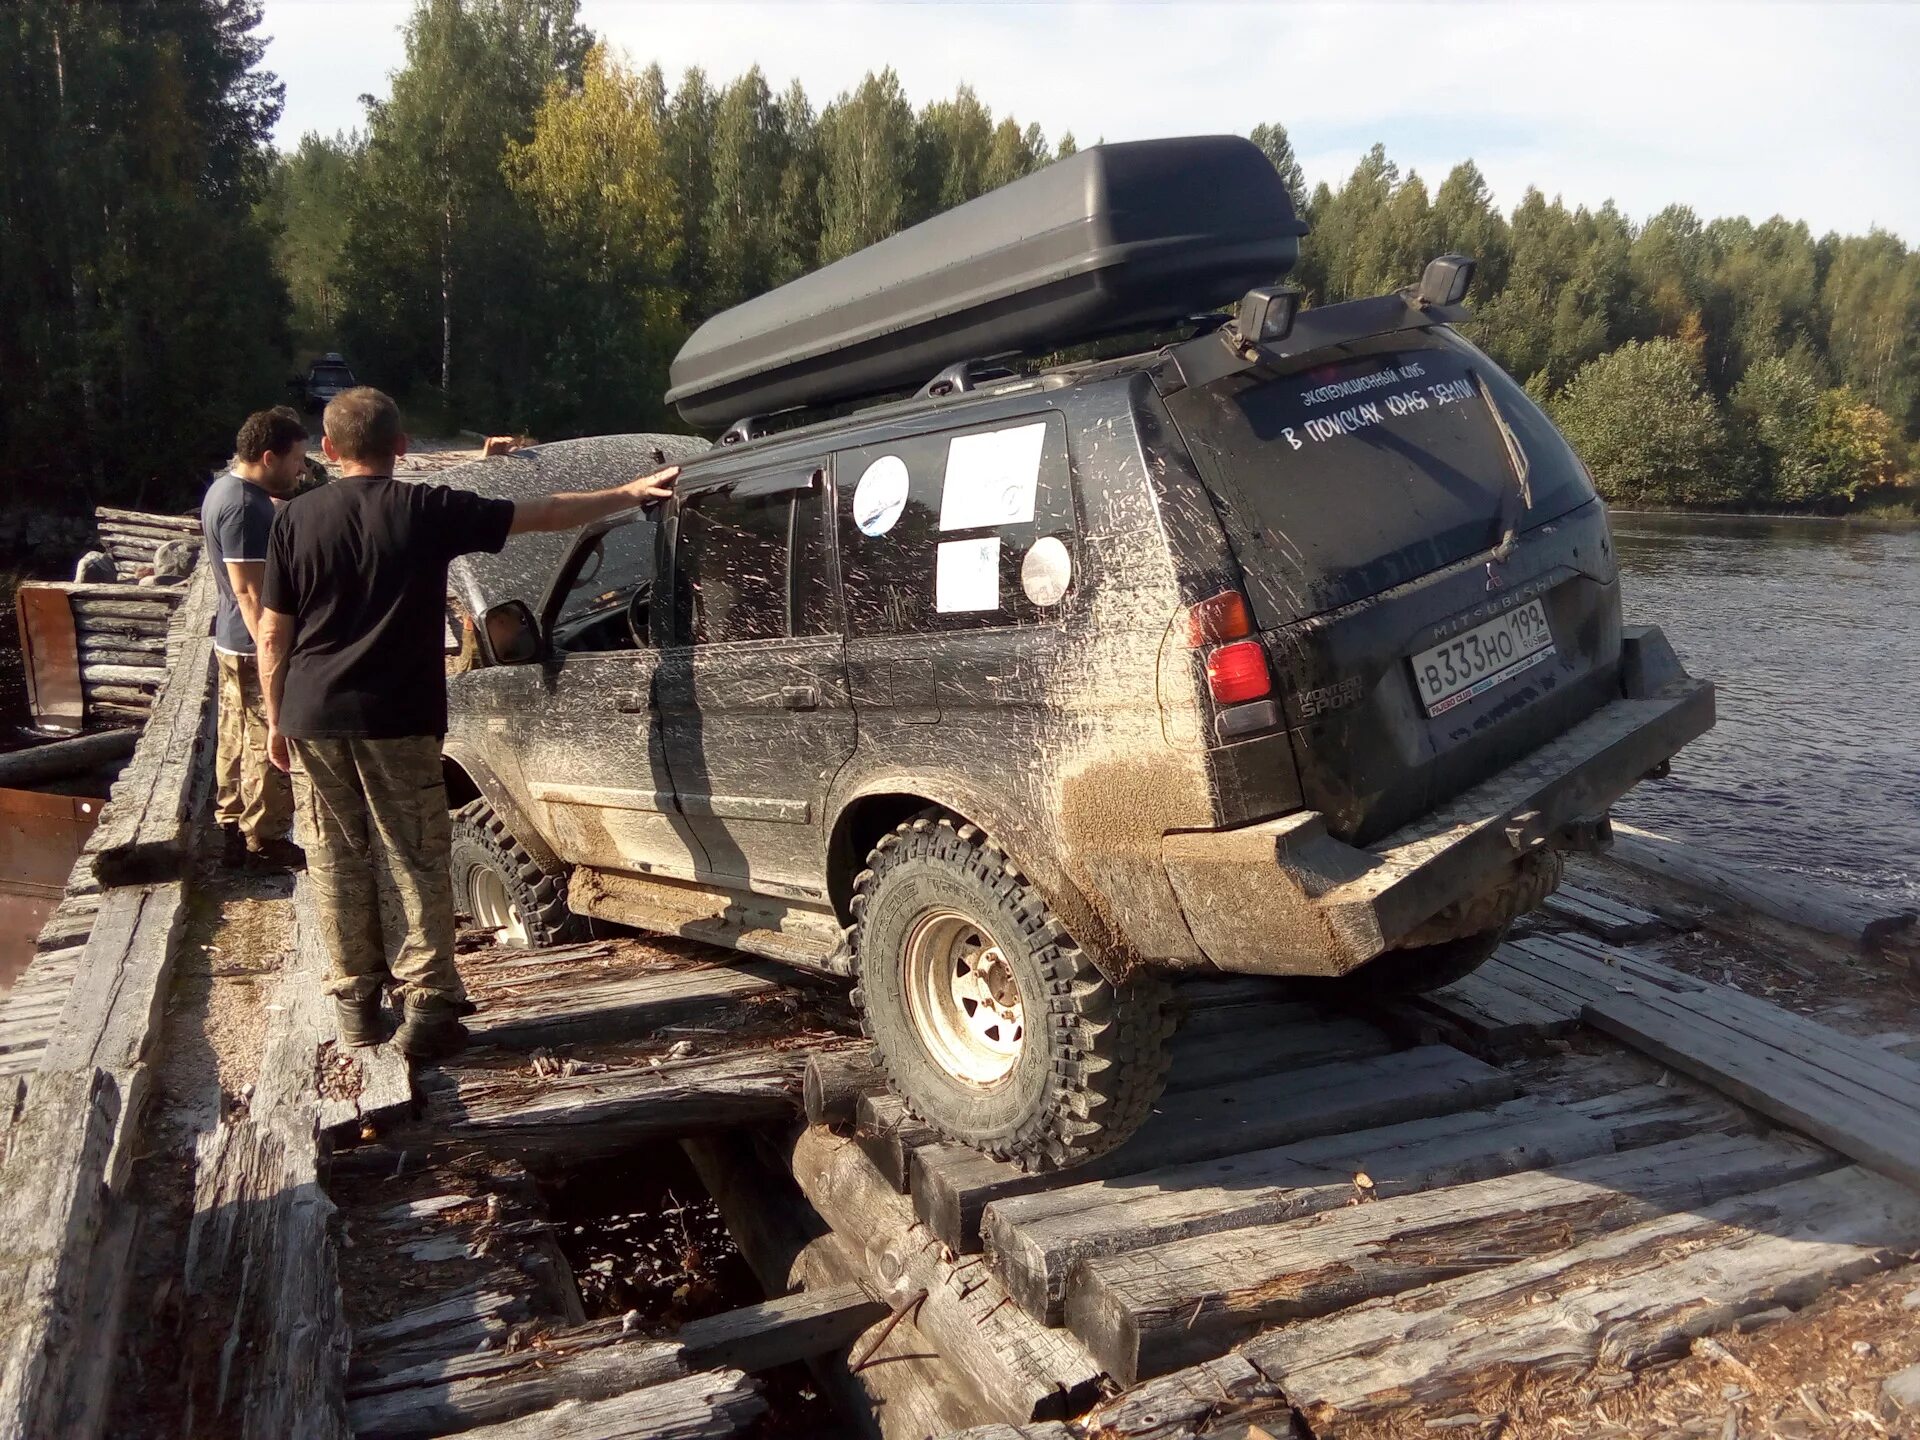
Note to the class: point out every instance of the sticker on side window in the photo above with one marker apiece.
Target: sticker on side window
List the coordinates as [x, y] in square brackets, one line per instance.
[967, 575]
[880, 496]
[992, 477]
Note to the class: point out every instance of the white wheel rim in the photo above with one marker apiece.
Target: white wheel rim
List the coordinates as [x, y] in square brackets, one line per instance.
[492, 910]
[963, 999]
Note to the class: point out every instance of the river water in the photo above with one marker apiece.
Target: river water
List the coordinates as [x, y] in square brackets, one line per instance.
[1810, 630]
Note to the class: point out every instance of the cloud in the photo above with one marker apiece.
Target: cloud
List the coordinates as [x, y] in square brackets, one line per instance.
[1798, 110]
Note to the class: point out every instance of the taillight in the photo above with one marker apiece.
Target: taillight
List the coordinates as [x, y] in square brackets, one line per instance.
[1239, 672]
[1222, 617]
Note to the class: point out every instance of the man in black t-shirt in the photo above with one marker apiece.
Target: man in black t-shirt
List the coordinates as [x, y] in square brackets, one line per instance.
[351, 635]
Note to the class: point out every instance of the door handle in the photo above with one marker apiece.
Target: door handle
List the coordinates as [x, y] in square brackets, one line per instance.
[800, 697]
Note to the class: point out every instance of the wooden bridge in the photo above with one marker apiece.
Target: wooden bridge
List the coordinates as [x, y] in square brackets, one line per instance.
[1343, 1218]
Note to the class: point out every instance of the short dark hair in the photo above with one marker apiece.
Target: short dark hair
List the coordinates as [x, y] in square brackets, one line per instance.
[268, 431]
[364, 424]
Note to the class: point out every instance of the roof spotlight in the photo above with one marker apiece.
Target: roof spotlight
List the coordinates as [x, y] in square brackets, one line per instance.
[1265, 315]
[1446, 280]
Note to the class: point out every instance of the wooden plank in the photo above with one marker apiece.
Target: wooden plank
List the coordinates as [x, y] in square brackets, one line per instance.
[1867, 922]
[1858, 1119]
[53, 1211]
[1051, 1430]
[952, 1184]
[497, 1386]
[889, 1133]
[1154, 1310]
[836, 1081]
[1023, 1369]
[710, 1406]
[1603, 915]
[783, 1330]
[604, 1112]
[617, 1002]
[58, 759]
[1236, 1043]
[1192, 1402]
[113, 1010]
[1624, 1299]
[1033, 1241]
[186, 525]
[1487, 1016]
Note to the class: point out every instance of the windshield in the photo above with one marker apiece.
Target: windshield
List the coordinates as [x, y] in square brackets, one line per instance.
[609, 570]
[332, 375]
[1382, 464]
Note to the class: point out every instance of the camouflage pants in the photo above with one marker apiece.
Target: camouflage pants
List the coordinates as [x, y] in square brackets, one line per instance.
[252, 794]
[374, 822]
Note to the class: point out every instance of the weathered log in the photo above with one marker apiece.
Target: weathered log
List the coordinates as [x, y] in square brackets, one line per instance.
[1606, 917]
[146, 626]
[783, 1330]
[1154, 1310]
[1627, 1298]
[59, 759]
[1025, 1370]
[952, 1184]
[132, 696]
[80, 594]
[606, 999]
[95, 644]
[1863, 921]
[603, 1112]
[888, 1132]
[1035, 1240]
[835, 1081]
[488, 1388]
[118, 714]
[709, 1406]
[109, 652]
[182, 524]
[112, 1013]
[1190, 1402]
[54, 1210]
[107, 611]
[100, 673]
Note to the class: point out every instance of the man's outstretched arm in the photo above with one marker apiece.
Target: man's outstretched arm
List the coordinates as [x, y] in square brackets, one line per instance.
[583, 507]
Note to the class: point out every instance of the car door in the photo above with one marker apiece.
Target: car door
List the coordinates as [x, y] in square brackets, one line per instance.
[595, 757]
[753, 692]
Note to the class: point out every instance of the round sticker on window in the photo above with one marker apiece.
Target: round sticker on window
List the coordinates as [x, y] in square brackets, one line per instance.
[1046, 571]
[881, 495]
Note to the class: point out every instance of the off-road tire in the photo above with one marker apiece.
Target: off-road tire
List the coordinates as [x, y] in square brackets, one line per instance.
[1094, 1054]
[538, 896]
[1421, 968]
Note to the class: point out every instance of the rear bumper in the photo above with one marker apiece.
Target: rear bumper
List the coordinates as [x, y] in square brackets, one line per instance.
[1286, 898]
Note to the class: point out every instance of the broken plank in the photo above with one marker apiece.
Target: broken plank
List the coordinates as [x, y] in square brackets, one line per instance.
[1623, 1299]
[1856, 1116]
[1023, 1369]
[782, 1330]
[505, 1386]
[1488, 1015]
[611, 1001]
[1034, 1240]
[708, 1406]
[836, 1081]
[1154, 1310]
[1192, 1402]
[1603, 915]
[953, 1184]
[603, 1112]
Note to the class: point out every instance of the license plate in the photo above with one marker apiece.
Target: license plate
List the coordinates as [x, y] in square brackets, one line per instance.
[1473, 663]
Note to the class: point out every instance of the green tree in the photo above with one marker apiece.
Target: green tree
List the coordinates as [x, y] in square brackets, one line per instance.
[1871, 295]
[1067, 146]
[308, 195]
[796, 241]
[1274, 144]
[866, 166]
[749, 158]
[953, 139]
[1774, 410]
[1645, 426]
[687, 131]
[1014, 153]
[595, 174]
[1465, 222]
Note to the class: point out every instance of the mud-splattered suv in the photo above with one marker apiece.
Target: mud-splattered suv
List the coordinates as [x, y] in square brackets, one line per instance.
[1290, 645]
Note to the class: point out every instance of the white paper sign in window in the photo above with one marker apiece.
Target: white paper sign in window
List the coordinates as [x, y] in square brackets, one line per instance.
[992, 477]
[967, 575]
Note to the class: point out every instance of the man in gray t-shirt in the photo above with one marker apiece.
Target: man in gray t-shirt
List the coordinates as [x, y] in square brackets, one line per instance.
[254, 805]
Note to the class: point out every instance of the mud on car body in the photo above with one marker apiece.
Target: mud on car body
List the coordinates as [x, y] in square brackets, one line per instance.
[1291, 646]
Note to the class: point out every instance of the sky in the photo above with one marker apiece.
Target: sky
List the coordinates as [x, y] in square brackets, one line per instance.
[1807, 111]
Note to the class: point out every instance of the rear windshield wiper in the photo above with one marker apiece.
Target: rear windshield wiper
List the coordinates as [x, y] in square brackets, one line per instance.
[1511, 514]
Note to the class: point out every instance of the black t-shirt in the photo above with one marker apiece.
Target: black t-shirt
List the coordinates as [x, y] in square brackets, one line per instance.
[361, 565]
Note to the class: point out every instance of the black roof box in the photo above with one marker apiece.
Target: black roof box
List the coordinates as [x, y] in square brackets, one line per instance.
[1113, 238]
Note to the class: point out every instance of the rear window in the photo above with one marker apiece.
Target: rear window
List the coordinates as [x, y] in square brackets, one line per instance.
[1347, 478]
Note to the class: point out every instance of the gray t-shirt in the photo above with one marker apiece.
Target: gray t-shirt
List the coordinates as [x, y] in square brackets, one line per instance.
[236, 519]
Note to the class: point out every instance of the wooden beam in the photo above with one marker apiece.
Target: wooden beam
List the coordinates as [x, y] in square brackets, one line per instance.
[603, 997]
[1193, 1402]
[1627, 1298]
[783, 1330]
[113, 1011]
[952, 1184]
[59, 759]
[1154, 1310]
[603, 1112]
[1023, 1370]
[836, 1081]
[709, 1406]
[1034, 1240]
[1606, 917]
[889, 1133]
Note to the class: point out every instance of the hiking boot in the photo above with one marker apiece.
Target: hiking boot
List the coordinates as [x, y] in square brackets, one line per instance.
[431, 1029]
[233, 847]
[276, 856]
[359, 1021]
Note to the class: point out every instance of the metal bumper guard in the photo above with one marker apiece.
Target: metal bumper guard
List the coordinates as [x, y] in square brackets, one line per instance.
[1286, 898]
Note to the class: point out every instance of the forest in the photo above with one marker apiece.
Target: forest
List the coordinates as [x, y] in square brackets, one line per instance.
[527, 225]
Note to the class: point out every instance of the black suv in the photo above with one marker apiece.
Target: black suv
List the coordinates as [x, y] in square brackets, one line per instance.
[1288, 646]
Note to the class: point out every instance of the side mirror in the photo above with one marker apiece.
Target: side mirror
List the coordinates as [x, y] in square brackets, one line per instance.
[512, 635]
[1446, 280]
